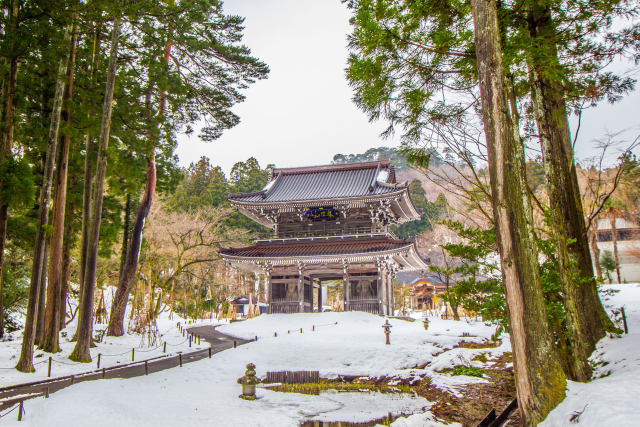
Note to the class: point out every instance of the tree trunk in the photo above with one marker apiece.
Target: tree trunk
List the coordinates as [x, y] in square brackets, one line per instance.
[42, 298]
[85, 317]
[89, 163]
[119, 305]
[50, 342]
[66, 265]
[6, 140]
[540, 380]
[585, 317]
[25, 364]
[614, 241]
[126, 231]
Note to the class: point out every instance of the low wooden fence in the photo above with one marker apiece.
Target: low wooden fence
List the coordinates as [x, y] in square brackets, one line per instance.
[293, 377]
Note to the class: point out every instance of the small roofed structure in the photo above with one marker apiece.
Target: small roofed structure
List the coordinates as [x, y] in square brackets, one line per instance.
[330, 223]
[422, 287]
[618, 232]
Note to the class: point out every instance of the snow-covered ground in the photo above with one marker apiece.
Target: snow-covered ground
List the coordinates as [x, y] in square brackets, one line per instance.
[612, 398]
[205, 393]
[114, 351]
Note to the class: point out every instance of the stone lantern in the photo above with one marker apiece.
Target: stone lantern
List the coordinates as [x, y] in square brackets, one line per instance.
[387, 330]
[249, 382]
[425, 322]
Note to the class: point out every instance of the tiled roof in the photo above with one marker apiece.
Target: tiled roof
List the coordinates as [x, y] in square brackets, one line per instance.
[325, 182]
[305, 248]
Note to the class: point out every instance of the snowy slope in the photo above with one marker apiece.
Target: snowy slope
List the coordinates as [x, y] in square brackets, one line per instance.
[612, 399]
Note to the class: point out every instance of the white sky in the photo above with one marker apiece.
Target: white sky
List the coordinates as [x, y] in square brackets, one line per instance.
[302, 114]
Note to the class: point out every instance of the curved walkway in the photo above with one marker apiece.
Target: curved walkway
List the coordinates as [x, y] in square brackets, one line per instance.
[10, 395]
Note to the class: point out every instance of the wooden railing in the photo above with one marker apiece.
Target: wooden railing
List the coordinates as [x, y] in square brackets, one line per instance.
[286, 306]
[368, 306]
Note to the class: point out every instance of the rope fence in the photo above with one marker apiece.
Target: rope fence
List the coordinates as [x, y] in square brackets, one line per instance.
[189, 336]
[179, 357]
[16, 406]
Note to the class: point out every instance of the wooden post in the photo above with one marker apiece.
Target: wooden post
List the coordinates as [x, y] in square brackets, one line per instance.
[99, 356]
[300, 290]
[104, 372]
[164, 347]
[72, 378]
[300, 330]
[189, 340]
[198, 339]
[133, 354]
[180, 358]
[382, 289]
[347, 288]
[624, 320]
[268, 288]
[46, 392]
[275, 334]
[209, 352]
[20, 410]
[146, 367]
[319, 296]
[256, 339]
[390, 309]
[235, 344]
[49, 370]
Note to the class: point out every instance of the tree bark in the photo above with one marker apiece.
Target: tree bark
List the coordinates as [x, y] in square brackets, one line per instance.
[50, 342]
[66, 265]
[6, 140]
[42, 298]
[25, 364]
[126, 231]
[585, 317]
[89, 163]
[119, 304]
[540, 380]
[85, 317]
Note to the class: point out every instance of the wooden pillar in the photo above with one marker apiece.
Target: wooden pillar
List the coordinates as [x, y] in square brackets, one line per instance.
[300, 292]
[319, 296]
[268, 290]
[347, 290]
[384, 288]
[390, 295]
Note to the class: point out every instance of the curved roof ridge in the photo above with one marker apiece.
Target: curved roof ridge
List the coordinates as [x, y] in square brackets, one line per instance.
[333, 167]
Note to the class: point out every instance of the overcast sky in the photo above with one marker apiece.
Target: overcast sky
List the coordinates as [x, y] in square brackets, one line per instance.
[303, 115]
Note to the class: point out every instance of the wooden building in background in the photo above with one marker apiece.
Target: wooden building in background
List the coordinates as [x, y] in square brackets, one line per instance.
[329, 223]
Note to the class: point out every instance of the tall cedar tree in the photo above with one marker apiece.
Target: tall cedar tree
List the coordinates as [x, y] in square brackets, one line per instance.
[407, 53]
[7, 111]
[197, 56]
[540, 380]
[54, 299]
[85, 316]
[25, 364]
